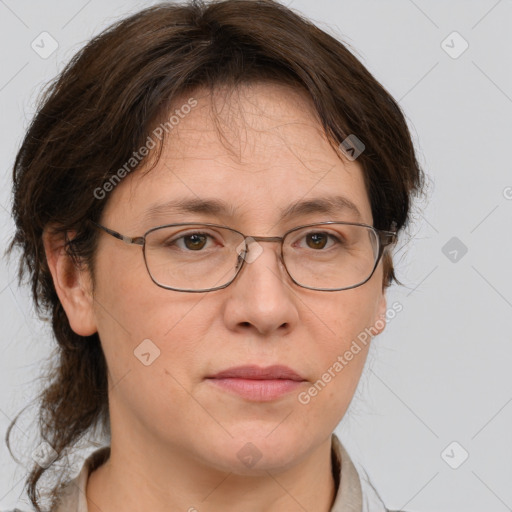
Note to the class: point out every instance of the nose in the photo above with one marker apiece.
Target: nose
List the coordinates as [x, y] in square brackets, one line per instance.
[262, 298]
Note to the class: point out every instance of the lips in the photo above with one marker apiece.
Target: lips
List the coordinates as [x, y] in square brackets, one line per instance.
[257, 373]
[257, 384]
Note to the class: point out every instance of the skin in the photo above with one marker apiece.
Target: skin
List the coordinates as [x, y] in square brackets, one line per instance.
[175, 436]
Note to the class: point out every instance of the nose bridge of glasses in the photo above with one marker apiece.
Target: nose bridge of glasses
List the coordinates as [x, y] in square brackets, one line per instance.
[264, 238]
[250, 254]
[249, 240]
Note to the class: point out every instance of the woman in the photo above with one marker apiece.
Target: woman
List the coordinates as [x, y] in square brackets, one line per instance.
[265, 175]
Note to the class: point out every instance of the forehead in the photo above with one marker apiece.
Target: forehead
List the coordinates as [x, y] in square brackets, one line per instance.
[257, 149]
[250, 125]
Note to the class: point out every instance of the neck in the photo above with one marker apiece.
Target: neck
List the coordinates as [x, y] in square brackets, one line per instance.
[142, 479]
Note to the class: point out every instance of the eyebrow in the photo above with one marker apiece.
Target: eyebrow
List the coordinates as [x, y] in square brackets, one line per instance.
[211, 206]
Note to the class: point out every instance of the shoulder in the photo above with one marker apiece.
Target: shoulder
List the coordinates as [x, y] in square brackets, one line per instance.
[71, 493]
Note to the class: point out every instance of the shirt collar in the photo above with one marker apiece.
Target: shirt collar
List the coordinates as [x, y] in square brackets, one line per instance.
[348, 494]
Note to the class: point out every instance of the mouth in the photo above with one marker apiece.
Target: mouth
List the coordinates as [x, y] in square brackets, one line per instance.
[258, 384]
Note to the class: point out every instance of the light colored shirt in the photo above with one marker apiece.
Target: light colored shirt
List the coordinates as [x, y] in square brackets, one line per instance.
[353, 494]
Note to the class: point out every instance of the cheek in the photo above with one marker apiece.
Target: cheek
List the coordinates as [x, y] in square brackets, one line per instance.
[143, 326]
[128, 302]
[152, 339]
[339, 329]
[341, 317]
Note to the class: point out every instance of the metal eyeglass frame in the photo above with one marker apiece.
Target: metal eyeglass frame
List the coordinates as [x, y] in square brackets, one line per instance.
[384, 237]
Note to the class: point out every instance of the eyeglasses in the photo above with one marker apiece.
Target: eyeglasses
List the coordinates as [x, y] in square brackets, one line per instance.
[324, 256]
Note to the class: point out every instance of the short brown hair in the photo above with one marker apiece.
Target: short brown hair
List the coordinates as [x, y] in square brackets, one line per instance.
[102, 107]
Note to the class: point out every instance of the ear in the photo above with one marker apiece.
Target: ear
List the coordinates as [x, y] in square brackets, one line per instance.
[379, 323]
[72, 284]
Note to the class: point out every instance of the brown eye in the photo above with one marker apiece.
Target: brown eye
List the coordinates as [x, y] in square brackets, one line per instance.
[316, 240]
[195, 241]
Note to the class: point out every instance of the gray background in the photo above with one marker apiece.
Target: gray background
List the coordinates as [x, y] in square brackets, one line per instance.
[440, 372]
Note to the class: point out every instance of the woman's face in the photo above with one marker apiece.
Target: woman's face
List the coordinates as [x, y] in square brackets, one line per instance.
[162, 346]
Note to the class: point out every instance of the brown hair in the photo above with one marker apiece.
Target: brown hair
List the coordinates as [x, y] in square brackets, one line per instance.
[102, 107]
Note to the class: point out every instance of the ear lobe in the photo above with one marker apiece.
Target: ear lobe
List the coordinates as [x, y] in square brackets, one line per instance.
[72, 284]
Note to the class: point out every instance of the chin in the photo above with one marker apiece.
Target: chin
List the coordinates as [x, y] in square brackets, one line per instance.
[256, 451]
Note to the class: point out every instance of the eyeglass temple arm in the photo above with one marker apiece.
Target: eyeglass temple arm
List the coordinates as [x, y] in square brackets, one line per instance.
[388, 237]
[138, 240]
